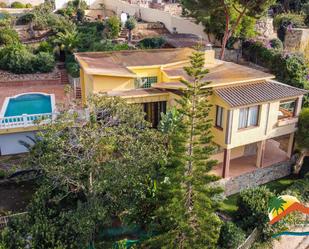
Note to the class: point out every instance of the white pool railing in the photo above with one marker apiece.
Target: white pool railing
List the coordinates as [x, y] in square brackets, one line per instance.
[26, 120]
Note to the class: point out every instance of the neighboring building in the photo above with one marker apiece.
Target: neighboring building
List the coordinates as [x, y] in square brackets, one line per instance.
[254, 117]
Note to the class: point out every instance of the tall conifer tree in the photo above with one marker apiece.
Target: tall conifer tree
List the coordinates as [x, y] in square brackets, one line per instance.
[189, 211]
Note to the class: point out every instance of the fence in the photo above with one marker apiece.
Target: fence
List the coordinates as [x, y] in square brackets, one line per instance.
[25, 120]
[250, 240]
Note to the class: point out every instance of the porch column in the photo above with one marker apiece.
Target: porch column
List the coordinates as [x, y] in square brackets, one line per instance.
[298, 106]
[226, 163]
[291, 145]
[260, 153]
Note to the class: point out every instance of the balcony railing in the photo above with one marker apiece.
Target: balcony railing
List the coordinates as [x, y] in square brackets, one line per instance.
[26, 120]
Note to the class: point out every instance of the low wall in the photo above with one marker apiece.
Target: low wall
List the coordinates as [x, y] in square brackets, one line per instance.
[33, 2]
[252, 179]
[172, 23]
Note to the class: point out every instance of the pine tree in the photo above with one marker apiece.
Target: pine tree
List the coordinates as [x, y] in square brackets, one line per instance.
[189, 219]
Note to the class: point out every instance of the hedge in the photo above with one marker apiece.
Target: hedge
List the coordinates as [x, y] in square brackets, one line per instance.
[289, 68]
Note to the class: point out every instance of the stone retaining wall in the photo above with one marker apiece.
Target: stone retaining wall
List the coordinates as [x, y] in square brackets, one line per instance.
[258, 177]
[297, 40]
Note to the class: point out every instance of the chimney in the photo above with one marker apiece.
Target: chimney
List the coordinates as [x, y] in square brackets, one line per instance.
[209, 54]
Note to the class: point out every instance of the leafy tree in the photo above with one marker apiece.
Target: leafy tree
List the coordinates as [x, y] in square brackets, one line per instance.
[234, 12]
[29, 19]
[112, 27]
[130, 25]
[188, 215]
[94, 171]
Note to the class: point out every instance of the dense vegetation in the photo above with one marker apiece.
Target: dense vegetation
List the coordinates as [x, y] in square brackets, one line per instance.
[69, 33]
[291, 69]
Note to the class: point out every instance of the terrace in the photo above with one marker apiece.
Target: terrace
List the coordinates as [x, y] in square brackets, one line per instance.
[274, 153]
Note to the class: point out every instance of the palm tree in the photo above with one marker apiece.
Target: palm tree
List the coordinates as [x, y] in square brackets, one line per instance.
[276, 204]
[67, 41]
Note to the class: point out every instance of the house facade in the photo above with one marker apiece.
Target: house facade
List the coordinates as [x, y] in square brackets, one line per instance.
[254, 116]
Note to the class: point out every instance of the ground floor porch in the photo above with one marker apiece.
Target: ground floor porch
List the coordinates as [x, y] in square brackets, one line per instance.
[246, 159]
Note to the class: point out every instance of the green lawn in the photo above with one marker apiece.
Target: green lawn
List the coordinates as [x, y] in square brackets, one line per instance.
[230, 204]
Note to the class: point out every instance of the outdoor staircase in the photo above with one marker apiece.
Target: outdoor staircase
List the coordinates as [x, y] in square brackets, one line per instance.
[124, 33]
[64, 76]
[78, 93]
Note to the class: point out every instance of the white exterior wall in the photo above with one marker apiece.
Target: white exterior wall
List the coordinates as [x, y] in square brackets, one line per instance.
[153, 15]
[9, 143]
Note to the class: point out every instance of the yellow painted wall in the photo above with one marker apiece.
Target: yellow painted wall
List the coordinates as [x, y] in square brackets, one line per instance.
[109, 83]
[147, 72]
[266, 129]
[219, 135]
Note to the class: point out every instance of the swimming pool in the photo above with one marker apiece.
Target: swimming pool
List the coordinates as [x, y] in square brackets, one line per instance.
[33, 103]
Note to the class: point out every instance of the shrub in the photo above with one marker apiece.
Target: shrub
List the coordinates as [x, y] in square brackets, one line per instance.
[112, 27]
[276, 44]
[28, 5]
[231, 236]
[25, 19]
[2, 174]
[253, 205]
[253, 212]
[301, 188]
[17, 5]
[45, 47]
[8, 36]
[17, 59]
[43, 62]
[154, 42]
[3, 5]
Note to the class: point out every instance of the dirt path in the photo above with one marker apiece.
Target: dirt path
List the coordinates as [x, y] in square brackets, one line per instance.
[293, 242]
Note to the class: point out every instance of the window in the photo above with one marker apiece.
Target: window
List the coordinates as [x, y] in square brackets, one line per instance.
[248, 117]
[287, 109]
[219, 116]
[146, 82]
[153, 112]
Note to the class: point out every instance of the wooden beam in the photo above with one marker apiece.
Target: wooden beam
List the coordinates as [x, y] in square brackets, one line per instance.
[226, 163]
[260, 153]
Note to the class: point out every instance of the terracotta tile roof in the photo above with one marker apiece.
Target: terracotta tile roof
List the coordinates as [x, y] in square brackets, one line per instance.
[117, 62]
[225, 73]
[257, 92]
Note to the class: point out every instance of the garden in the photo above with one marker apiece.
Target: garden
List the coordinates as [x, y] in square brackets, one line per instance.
[66, 31]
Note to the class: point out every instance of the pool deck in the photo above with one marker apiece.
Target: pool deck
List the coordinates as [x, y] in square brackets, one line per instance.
[56, 89]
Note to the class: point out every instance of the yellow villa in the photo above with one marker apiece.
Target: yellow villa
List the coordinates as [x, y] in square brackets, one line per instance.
[254, 116]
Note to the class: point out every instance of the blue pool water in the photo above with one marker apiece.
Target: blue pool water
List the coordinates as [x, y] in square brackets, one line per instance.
[28, 104]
